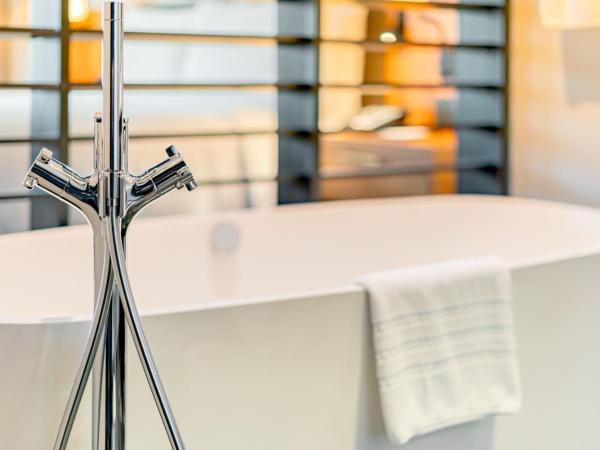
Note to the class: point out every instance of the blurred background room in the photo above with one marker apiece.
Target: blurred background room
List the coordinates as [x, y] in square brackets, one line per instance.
[276, 102]
[327, 325]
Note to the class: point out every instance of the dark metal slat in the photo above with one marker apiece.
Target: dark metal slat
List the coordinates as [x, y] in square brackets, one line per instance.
[34, 32]
[198, 86]
[434, 4]
[203, 37]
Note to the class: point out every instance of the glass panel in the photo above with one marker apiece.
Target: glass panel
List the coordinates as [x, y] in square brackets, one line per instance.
[407, 149]
[388, 186]
[183, 111]
[15, 160]
[212, 159]
[29, 60]
[30, 13]
[441, 182]
[206, 199]
[472, 2]
[340, 107]
[234, 17]
[25, 114]
[15, 215]
[352, 64]
[345, 20]
[389, 23]
[178, 62]
[211, 198]
[462, 2]
[298, 18]
[215, 158]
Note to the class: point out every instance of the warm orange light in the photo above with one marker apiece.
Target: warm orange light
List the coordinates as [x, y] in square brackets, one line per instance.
[388, 37]
[79, 10]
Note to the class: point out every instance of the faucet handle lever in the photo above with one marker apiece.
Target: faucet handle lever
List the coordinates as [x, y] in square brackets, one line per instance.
[171, 151]
[44, 157]
[186, 178]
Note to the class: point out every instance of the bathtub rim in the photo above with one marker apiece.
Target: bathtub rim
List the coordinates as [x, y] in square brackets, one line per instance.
[346, 289]
[349, 289]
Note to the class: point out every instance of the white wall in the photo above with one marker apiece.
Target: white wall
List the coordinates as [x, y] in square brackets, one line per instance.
[555, 98]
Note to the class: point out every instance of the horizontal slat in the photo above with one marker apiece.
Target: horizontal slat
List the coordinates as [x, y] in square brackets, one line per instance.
[39, 194]
[297, 133]
[436, 4]
[36, 193]
[34, 32]
[284, 86]
[38, 86]
[33, 140]
[290, 40]
[383, 46]
[383, 172]
[284, 40]
[202, 37]
[310, 134]
[187, 135]
[236, 181]
[26, 194]
[172, 86]
[429, 127]
[367, 86]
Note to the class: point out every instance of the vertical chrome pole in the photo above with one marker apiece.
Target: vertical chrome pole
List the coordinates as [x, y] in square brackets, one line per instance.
[112, 179]
[112, 86]
[100, 251]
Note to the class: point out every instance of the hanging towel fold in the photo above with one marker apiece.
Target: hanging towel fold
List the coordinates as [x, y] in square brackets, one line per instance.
[444, 345]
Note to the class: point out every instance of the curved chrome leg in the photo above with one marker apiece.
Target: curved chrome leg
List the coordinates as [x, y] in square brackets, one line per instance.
[117, 256]
[91, 348]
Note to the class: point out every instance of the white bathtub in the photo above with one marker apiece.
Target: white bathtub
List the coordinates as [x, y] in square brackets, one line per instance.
[266, 346]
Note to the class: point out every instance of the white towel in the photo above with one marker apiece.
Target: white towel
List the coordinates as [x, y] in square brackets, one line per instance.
[444, 345]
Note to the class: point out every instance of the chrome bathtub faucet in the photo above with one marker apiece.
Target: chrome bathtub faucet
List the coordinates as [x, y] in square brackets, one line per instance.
[110, 198]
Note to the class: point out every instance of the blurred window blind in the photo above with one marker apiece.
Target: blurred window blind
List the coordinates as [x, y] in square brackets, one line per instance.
[262, 97]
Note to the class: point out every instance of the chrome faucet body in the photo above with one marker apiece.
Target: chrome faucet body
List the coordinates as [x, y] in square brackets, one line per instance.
[110, 198]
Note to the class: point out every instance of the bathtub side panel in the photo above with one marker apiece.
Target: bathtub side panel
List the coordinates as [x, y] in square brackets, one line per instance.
[275, 376]
[557, 309]
[38, 368]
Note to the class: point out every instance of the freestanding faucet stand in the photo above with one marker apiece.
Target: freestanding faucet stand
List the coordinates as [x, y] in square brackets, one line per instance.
[110, 198]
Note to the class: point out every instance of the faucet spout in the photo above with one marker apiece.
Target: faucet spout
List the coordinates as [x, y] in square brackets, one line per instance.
[185, 176]
[172, 173]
